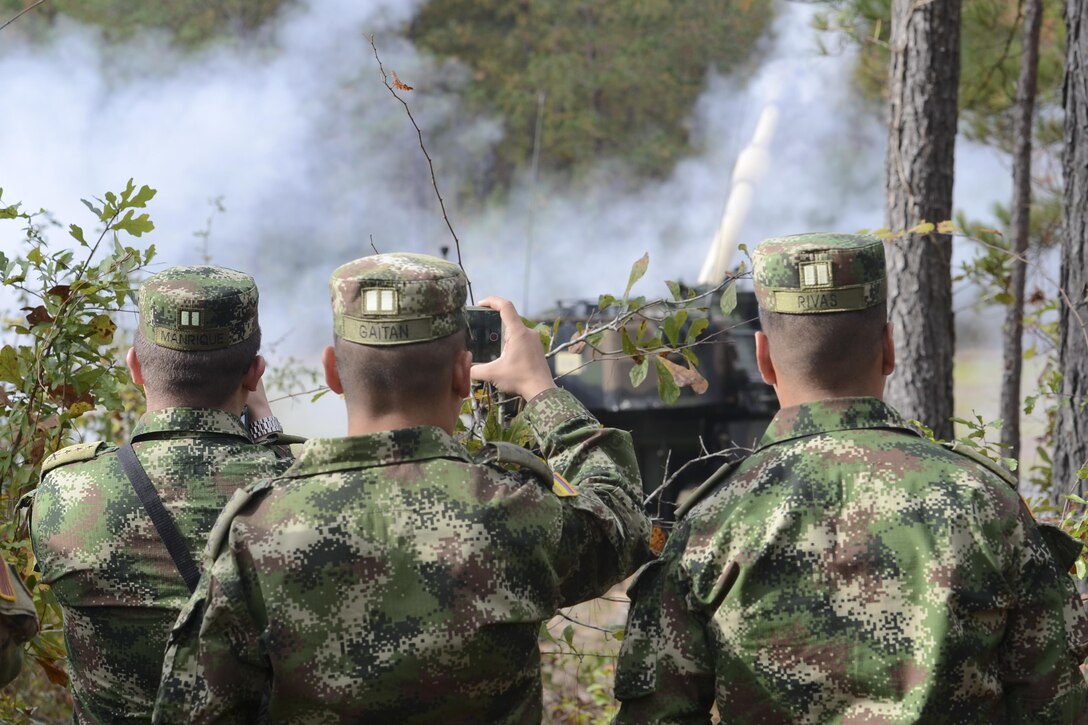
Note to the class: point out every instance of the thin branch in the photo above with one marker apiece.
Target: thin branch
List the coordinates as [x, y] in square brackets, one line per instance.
[706, 456]
[430, 164]
[23, 12]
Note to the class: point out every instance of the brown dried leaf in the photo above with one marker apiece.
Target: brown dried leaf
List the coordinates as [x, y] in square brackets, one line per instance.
[56, 674]
[36, 315]
[658, 538]
[61, 290]
[68, 395]
[686, 376]
[400, 86]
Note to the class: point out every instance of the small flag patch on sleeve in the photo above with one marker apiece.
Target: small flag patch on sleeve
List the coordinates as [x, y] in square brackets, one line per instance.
[7, 589]
[560, 487]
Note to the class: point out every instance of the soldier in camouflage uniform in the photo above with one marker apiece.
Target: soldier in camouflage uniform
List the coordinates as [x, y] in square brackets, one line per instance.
[850, 570]
[96, 546]
[389, 577]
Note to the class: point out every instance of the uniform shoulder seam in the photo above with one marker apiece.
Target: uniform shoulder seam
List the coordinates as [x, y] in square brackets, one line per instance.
[77, 453]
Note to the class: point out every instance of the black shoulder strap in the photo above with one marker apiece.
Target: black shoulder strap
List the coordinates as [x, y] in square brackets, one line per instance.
[164, 523]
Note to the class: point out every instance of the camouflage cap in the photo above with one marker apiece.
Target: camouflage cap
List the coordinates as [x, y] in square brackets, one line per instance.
[813, 273]
[396, 299]
[198, 308]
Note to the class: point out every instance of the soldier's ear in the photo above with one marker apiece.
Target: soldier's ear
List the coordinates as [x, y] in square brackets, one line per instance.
[253, 375]
[134, 368]
[888, 351]
[763, 359]
[332, 375]
[462, 378]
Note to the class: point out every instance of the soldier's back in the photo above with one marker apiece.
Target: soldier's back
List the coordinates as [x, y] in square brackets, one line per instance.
[851, 570]
[105, 562]
[392, 578]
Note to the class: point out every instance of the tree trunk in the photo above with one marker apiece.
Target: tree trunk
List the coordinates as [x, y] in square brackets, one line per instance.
[1012, 343]
[924, 84]
[1071, 434]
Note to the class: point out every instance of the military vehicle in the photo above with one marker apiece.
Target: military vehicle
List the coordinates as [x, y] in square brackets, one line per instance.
[733, 412]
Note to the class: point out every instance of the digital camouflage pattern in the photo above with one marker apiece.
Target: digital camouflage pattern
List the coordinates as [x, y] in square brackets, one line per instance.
[387, 578]
[396, 299]
[198, 308]
[817, 273]
[101, 555]
[852, 571]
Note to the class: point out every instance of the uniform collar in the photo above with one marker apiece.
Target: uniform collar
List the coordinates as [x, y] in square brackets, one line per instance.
[190, 420]
[405, 445]
[825, 416]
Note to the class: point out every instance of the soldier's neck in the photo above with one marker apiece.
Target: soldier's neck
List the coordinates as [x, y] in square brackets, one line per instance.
[362, 423]
[158, 401]
[791, 393]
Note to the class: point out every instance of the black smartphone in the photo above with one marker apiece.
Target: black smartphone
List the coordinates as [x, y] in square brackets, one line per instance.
[484, 333]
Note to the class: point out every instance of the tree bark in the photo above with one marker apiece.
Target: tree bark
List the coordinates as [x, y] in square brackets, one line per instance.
[1013, 331]
[924, 85]
[1071, 433]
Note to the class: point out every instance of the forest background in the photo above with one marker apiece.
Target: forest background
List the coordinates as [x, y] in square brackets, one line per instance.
[568, 139]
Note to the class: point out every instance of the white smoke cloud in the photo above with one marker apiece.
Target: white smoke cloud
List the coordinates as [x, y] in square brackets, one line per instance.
[314, 158]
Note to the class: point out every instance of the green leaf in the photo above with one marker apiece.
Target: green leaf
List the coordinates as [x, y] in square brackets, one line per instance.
[9, 212]
[144, 195]
[690, 356]
[618, 634]
[667, 388]
[568, 635]
[605, 301]
[638, 372]
[1029, 404]
[674, 288]
[94, 209]
[628, 346]
[77, 234]
[102, 329]
[638, 269]
[134, 225]
[697, 326]
[728, 301]
[1082, 473]
[35, 255]
[1082, 569]
[672, 325]
[9, 365]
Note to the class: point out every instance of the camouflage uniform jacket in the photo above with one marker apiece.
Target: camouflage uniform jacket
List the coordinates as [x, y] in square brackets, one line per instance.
[388, 578]
[97, 548]
[852, 571]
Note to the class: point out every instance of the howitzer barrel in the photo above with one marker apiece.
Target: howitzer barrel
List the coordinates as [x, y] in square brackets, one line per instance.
[751, 166]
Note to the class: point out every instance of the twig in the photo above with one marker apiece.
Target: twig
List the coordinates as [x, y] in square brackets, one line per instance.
[376, 249]
[311, 391]
[587, 625]
[23, 12]
[430, 164]
[706, 456]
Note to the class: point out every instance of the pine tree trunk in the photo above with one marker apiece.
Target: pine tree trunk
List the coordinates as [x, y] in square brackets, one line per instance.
[1013, 331]
[923, 83]
[1071, 444]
